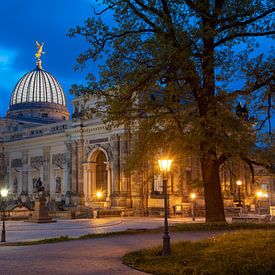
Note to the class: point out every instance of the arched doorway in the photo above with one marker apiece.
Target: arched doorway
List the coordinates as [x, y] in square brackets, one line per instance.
[97, 178]
[101, 175]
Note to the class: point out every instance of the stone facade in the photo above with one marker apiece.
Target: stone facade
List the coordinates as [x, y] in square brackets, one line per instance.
[77, 159]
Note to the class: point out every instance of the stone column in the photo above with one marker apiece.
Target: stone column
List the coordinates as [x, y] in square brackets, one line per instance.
[74, 177]
[123, 157]
[109, 181]
[6, 170]
[25, 168]
[116, 164]
[85, 181]
[68, 169]
[80, 155]
[92, 182]
[46, 168]
[89, 186]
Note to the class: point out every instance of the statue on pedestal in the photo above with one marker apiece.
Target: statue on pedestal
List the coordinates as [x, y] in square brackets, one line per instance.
[40, 190]
[41, 212]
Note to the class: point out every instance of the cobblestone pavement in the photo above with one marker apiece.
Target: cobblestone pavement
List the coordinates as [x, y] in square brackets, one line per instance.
[92, 256]
[25, 231]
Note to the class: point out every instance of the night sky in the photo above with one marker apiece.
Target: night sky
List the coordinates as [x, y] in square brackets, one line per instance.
[22, 22]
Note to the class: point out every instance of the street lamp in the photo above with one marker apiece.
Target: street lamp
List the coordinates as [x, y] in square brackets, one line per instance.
[165, 166]
[4, 194]
[193, 197]
[239, 184]
[260, 195]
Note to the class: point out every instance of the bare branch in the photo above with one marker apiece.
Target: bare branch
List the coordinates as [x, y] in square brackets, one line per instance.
[261, 125]
[269, 114]
[244, 34]
[222, 159]
[149, 8]
[198, 9]
[100, 44]
[251, 168]
[244, 23]
[142, 16]
[257, 163]
[106, 9]
[218, 7]
[256, 87]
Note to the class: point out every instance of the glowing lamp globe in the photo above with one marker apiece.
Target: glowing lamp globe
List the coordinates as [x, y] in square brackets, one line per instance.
[165, 165]
[193, 196]
[239, 182]
[4, 192]
[98, 194]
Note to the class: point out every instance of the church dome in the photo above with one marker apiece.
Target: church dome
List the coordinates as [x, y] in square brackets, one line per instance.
[38, 86]
[38, 96]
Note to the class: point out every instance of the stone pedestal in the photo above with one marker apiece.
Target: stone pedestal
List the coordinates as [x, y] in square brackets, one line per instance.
[40, 214]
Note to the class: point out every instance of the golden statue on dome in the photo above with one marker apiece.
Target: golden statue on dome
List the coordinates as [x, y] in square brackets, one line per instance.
[39, 50]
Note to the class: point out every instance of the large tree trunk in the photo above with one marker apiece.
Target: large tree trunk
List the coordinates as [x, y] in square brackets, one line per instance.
[212, 190]
[210, 169]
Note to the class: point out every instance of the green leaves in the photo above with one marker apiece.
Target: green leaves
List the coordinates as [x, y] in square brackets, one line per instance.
[177, 69]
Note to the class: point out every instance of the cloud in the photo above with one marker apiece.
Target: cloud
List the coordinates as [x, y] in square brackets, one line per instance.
[7, 58]
[24, 22]
[9, 75]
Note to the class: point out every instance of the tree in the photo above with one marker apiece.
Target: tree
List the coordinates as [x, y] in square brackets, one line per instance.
[171, 65]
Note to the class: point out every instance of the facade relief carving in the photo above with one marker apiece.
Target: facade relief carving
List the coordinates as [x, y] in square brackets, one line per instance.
[59, 160]
[58, 185]
[106, 147]
[37, 162]
[35, 175]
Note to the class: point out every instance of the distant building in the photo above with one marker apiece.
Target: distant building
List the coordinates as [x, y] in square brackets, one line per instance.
[79, 157]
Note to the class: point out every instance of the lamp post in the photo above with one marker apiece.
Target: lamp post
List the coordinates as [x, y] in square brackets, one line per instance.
[260, 195]
[193, 197]
[165, 165]
[4, 194]
[239, 184]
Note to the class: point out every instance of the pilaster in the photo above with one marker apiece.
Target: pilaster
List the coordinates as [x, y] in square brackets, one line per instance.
[25, 169]
[74, 177]
[46, 168]
[116, 164]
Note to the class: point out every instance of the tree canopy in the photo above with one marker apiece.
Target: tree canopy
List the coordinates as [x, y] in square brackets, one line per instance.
[174, 66]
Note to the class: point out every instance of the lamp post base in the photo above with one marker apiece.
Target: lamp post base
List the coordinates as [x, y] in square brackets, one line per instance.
[3, 236]
[166, 250]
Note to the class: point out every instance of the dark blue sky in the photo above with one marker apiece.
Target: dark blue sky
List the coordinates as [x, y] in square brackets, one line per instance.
[24, 22]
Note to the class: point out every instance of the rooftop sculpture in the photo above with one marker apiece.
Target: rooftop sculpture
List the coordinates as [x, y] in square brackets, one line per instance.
[39, 50]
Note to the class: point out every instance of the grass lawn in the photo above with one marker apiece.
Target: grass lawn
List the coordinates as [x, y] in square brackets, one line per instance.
[238, 252]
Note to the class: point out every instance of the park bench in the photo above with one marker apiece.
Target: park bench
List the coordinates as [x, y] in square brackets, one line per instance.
[251, 218]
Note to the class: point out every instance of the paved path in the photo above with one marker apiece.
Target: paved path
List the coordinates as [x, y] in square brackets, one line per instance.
[93, 256]
[24, 231]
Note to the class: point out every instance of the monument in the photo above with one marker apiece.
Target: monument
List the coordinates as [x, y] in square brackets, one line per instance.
[41, 213]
